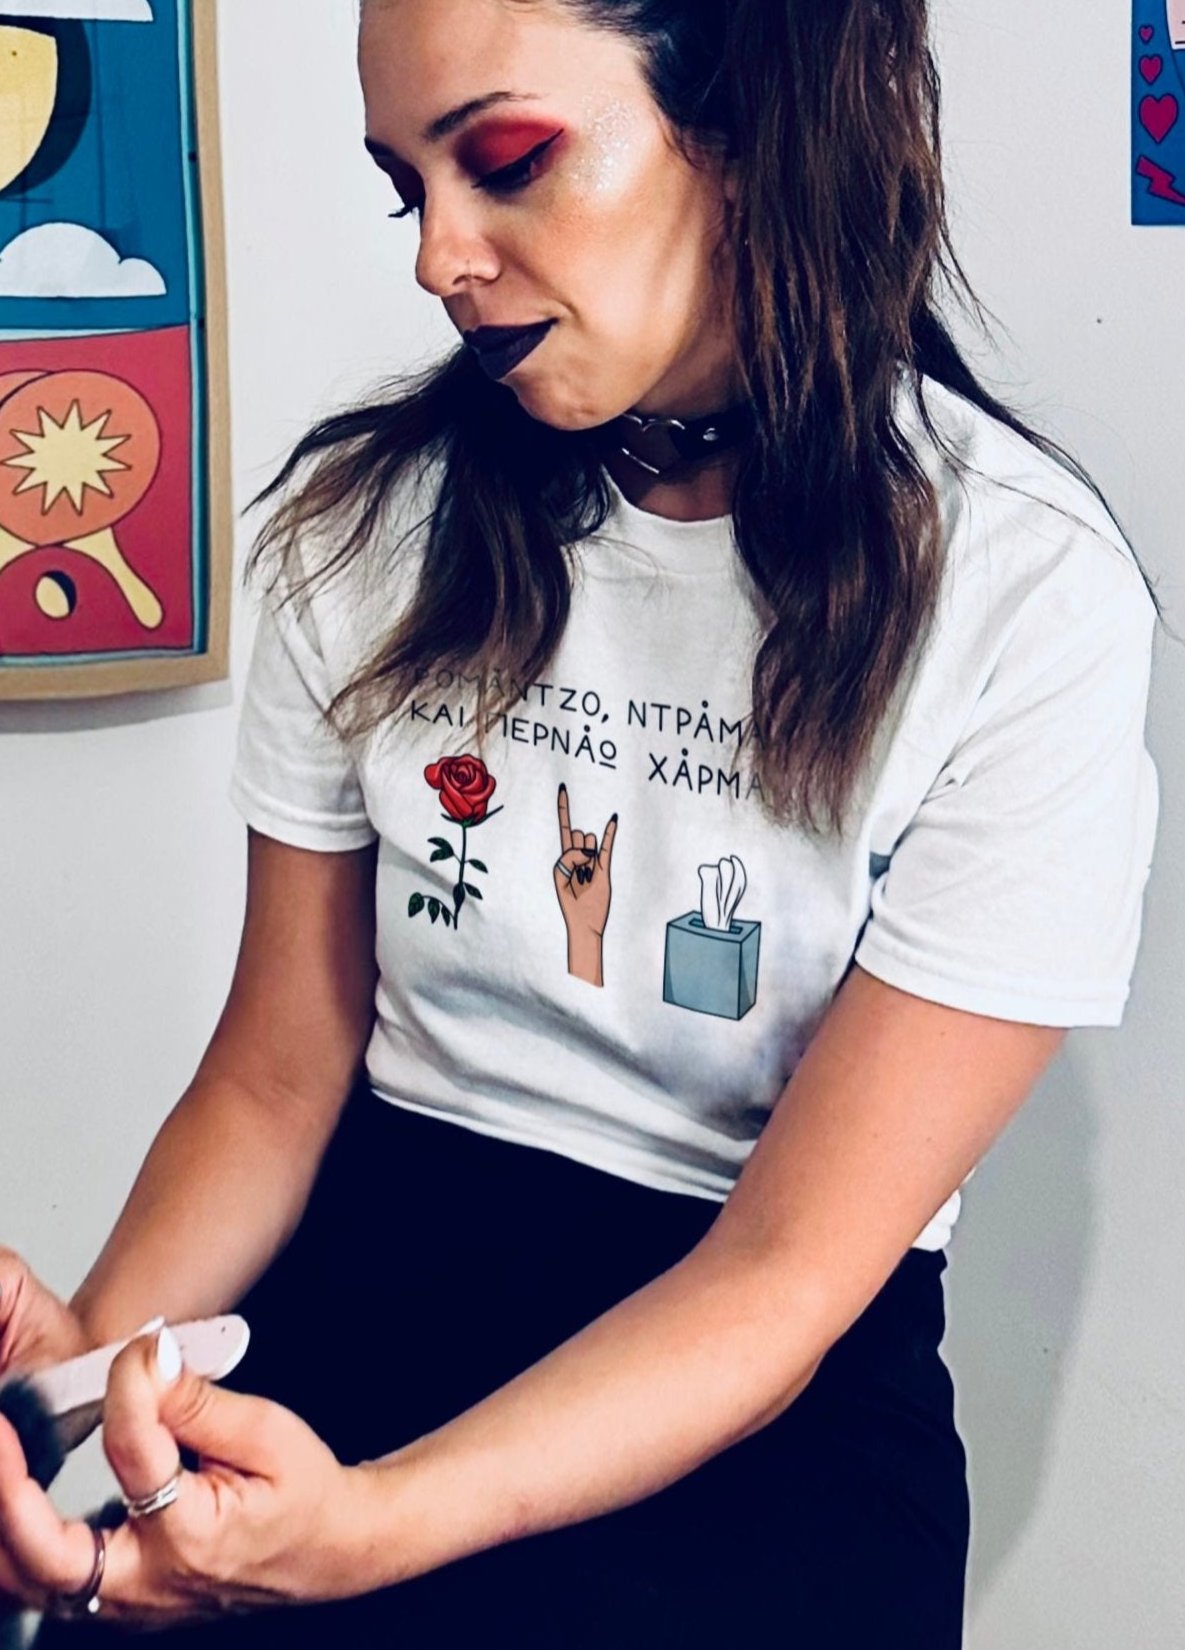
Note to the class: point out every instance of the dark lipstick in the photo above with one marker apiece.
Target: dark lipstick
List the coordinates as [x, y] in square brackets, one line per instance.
[499, 349]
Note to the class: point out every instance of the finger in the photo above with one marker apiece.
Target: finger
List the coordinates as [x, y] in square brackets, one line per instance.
[12, 1275]
[10, 1582]
[572, 861]
[565, 819]
[41, 1553]
[607, 841]
[137, 1441]
[248, 1434]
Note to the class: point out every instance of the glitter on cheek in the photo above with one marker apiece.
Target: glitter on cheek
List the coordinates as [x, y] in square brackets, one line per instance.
[611, 149]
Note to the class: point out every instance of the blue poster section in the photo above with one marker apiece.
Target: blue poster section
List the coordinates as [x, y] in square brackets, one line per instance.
[1158, 112]
[104, 204]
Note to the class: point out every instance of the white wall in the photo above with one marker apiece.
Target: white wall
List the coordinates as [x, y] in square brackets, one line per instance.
[1067, 1339]
[121, 862]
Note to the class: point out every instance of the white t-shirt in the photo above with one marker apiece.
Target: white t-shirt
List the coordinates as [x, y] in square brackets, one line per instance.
[996, 861]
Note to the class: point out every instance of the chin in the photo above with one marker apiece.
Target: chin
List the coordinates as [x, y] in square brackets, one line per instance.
[552, 409]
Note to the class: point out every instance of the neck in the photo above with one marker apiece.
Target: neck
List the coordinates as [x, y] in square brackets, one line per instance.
[701, 495]
[679, 465]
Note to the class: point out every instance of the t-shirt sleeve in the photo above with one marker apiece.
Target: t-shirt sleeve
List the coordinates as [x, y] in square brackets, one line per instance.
[294, 778]
[1016, 890]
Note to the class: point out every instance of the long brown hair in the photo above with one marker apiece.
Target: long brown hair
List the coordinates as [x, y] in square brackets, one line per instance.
[830, 110]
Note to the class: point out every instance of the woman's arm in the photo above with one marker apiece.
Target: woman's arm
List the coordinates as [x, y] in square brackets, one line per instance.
[893, 1103]
[228, 1175]
[896, 1099]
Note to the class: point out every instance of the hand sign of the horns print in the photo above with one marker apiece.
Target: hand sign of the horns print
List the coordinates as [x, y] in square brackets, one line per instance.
[584, 888]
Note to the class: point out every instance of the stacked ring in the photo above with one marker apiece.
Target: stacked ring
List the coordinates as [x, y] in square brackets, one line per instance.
[145, 1505]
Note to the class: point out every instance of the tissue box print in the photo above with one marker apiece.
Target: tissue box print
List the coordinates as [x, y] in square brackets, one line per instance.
[711, 958]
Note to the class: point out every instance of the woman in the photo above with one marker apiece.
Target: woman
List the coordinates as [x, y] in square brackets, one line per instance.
[694, 760]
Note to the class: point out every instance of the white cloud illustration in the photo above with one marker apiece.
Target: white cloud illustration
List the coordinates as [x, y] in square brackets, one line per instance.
[67, 260]
[87, 11]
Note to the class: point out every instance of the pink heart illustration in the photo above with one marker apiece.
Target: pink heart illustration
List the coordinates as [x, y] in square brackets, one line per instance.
[1150, 68]
[1158, 116]
[1146, 33]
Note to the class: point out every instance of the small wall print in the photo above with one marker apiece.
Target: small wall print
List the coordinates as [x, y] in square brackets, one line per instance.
[115, 531]
[1158, 112]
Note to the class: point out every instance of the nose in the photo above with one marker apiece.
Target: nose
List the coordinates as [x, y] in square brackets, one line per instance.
[452, 252]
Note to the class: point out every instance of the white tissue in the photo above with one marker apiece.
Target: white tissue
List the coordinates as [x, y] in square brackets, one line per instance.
[721, 888]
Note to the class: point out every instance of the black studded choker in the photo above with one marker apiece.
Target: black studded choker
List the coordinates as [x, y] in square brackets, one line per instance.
[661, 445]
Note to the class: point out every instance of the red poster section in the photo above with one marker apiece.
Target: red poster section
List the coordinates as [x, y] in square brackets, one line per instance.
[96, 495]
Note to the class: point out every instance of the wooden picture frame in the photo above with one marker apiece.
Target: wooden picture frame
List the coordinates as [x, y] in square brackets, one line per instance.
[116, 548]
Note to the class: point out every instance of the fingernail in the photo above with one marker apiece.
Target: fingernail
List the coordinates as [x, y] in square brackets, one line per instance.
[168, 1356]
[613, 821]
[149, 1328]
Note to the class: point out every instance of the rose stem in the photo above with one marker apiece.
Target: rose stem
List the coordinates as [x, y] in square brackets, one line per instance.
[461, 874]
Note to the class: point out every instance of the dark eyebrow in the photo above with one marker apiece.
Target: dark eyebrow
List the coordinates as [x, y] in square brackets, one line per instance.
[440, 128]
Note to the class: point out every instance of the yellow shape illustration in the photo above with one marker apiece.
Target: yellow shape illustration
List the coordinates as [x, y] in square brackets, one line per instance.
[54, 596]
[67, 457]
[28, 93]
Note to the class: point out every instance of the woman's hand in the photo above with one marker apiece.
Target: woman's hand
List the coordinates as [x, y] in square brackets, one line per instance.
[271, 1517]
[36, 1328]
[584, 888]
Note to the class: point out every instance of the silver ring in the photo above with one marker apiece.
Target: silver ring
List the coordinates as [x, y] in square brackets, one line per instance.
[85, 1602]
[143, 1506]
[564, 870]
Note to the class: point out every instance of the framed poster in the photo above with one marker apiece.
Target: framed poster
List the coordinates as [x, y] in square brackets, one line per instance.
[1158, 112]
[115, 526]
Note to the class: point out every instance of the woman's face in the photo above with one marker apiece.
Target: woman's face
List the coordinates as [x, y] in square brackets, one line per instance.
[599, 226]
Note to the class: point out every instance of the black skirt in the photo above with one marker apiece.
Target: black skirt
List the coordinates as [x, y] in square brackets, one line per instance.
[434, 1263]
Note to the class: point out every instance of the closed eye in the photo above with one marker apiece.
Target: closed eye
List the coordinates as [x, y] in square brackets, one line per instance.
[511, 178]
[507, 180]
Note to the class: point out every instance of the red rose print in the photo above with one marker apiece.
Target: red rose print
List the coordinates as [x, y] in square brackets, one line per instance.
[465, 787]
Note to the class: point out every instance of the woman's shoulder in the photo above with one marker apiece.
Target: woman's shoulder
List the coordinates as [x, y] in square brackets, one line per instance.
[1018, 524]
[370, 536]
[349, 571]
[1041, 594]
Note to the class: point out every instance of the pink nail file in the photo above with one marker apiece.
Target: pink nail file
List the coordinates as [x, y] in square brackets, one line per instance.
[210, 1347]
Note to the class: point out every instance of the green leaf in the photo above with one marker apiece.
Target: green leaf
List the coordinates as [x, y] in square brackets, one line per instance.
[447, 915]
[443, 852]
[476, 865]
[474, 893]
[459, 896]
[415, 905]
[434, 909]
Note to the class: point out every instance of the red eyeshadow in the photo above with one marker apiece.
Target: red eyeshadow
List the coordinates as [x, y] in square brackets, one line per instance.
[501, 143]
